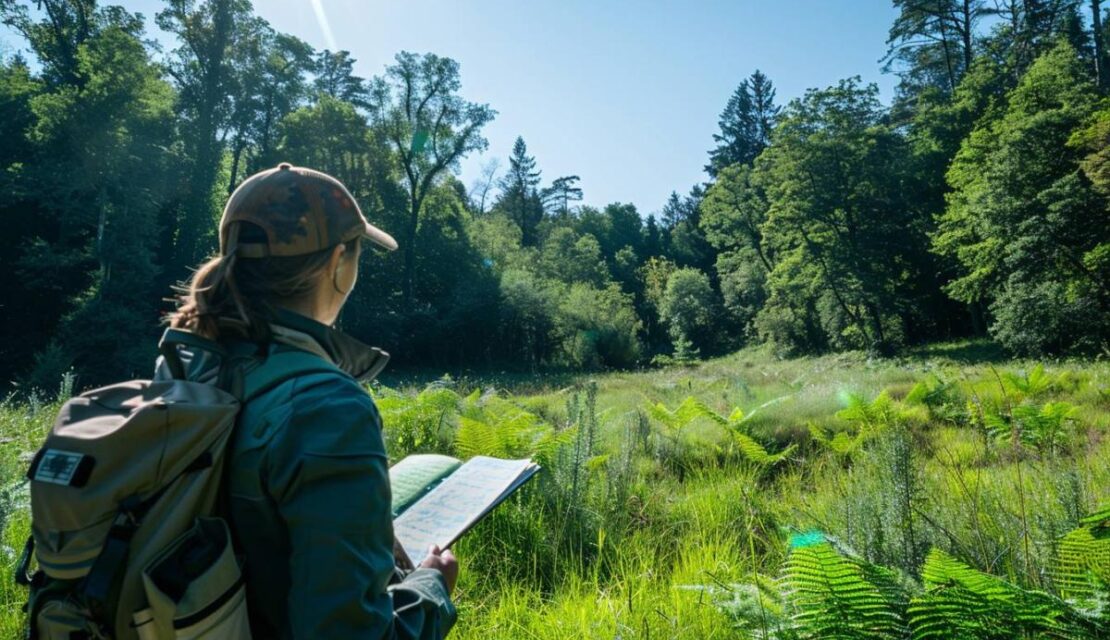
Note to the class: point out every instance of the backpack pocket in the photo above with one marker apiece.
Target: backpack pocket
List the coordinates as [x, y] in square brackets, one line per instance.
[195, 588]
[60, 619]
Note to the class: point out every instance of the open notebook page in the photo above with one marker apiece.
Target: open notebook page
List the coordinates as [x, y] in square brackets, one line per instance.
[415, 476]
[447, 511]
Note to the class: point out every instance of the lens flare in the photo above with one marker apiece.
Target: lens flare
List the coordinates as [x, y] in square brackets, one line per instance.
[325, 26]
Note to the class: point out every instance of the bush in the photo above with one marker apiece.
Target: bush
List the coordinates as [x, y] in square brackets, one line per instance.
[689, 309]
[1034, 320]
[598, 328]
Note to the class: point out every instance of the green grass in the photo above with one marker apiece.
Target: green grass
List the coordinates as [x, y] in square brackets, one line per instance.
[642, 529]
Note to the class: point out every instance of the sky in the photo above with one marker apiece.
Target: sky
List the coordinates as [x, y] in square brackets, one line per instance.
[625, 94]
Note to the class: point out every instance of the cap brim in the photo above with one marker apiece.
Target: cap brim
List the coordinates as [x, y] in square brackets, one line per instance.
[379, 237]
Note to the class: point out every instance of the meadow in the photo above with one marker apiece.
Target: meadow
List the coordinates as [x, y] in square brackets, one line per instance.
[948, 493]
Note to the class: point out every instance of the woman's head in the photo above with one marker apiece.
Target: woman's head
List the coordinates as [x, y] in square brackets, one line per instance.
[289, 237]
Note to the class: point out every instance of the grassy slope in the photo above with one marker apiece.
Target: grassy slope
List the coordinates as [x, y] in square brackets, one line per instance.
[660, 524]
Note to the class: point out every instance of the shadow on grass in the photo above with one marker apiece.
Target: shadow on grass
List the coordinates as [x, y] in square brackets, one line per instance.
[514, 382]
[980, 351]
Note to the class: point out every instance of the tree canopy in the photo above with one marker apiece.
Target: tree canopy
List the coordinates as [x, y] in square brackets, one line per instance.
[976, 203]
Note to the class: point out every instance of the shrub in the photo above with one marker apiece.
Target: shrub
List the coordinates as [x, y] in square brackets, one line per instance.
[688, 309]
[598, 328]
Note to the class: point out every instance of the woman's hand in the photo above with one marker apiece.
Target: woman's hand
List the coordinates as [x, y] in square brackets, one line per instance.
[445, 562]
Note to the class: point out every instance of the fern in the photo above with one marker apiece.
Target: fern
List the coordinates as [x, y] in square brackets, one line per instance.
[1030, 384]
[417, 424]
[960, 602]
[691, 409]
[1082, 571]
[761, 609]
[493, 426]
[940, 398]
[833, 598]
[870, 417]
[1046, 428]
[839, 443]
[754, 452]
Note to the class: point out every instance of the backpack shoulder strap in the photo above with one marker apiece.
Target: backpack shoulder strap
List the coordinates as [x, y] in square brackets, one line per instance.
[280, 366]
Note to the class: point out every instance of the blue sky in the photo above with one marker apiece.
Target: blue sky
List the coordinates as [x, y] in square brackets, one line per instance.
[624, 94]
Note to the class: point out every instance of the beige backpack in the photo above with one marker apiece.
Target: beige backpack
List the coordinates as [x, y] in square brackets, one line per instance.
[124, 501]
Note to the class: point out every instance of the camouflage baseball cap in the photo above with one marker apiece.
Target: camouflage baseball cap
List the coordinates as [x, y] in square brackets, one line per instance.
[300, 210]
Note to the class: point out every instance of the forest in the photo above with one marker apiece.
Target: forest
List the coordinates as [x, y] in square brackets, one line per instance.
[973, 205]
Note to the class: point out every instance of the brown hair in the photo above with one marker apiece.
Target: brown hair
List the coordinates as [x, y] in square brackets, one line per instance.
[246, 290]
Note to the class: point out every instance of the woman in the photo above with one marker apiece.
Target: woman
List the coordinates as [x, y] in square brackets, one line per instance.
[308, 485]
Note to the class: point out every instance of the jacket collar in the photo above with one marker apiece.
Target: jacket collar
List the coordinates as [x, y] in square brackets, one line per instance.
[360, 361]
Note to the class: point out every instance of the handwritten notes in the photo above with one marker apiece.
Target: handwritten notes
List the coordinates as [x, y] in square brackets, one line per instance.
[448, 510]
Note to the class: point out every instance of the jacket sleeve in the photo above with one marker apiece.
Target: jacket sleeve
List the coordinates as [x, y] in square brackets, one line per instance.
[329, 474]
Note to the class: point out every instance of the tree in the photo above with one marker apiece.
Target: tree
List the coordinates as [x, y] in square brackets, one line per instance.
[682, 237]
[746, 124]
[847, 240]
[335, 78]
[597, 327]
[333, 137]
[479, 190]
[520, 199]
[269, 79]
[734, 214]
[1098, 40]
[430, 128]
[688, 311]
[933, 42]
[563, 191]
[570, 258]
[1023, 216]
[100, 173]
[57, 38]
[1030, 28]
[202, 67]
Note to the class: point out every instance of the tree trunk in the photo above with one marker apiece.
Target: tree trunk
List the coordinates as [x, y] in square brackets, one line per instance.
[1096, 28]
[239, 144]
[942, 20]
[969, 53]
[409, 279]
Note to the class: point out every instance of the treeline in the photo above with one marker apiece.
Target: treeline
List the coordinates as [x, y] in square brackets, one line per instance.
[975, 204]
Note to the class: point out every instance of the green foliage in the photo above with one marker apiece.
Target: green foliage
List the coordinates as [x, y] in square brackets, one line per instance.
[1082, 572]
[417, 424]
[492, 426]
[1048, 427]
[940, 397]
[833, 597]
[960, 602]
[1020, 222]
[692, 409]
[842, 271]
[870, 417]
[597, 328]
[687, 308]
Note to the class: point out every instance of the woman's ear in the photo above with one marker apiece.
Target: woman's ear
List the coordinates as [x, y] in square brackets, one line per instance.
[343, 269]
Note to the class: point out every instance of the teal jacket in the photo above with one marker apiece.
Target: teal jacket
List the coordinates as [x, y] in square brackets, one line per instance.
[309, 502]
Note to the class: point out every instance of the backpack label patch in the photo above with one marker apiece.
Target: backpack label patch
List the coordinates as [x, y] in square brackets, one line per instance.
[61, 467]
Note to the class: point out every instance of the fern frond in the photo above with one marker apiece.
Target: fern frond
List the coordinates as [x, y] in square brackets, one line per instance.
[833, 598]
[962, 602]
[1082, 571]
[476, 438]
[755, 452]
[689, 410]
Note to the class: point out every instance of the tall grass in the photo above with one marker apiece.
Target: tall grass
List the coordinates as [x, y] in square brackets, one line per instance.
[692, 502]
